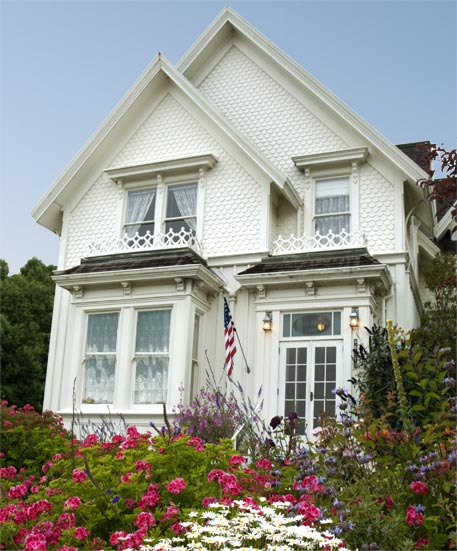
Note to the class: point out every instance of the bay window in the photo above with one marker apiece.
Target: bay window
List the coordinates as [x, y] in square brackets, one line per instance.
[100, 358]
[331, 207]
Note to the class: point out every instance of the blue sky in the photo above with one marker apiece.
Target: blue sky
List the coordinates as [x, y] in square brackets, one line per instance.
[65, 64]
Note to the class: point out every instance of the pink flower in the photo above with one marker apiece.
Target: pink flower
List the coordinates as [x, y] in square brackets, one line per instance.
[16, 492]
[67, 548]
[117, 537]
[215, 474]
[78, 475]
[264, 464]
[141, 465]
[389, 502]
[35, 542]
[72, 503]
[126, 477]
[133, 432]
[8, 472]
[309, 511]
[91, 440]
[236, 460]
[196, 443]
[419, 488]
[176, 486]
[206, 501]
[81, 533]
[144, 520]
[66, 521]
[421, 542]
[171, 512]
[413, 517]
[177, 528]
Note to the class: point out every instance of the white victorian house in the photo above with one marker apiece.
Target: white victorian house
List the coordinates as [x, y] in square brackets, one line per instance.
[233, 174]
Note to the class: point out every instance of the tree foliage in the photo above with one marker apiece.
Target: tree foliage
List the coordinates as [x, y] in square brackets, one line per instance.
[27, 301]
[438, 325]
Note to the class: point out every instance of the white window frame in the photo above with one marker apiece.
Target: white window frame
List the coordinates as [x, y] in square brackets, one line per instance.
[347, 213]
[352, 173]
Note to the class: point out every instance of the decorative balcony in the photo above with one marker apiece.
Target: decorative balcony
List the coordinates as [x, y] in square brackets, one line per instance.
[329, 242]
[147, 242]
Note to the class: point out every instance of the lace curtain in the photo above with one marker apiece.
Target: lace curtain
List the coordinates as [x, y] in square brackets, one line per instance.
[151, 355]
[332, 197]
[186, 201]
[140, 207]
[100, 360]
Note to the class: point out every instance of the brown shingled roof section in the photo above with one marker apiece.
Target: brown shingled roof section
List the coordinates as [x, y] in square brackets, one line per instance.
[417, 151]
[312, 261]
[135, 261]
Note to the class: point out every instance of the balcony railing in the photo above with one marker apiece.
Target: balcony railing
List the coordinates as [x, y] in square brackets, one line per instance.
[318, 242]
[147, 242]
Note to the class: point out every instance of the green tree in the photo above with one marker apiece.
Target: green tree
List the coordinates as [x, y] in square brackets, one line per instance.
[439, 320]
[27, 301]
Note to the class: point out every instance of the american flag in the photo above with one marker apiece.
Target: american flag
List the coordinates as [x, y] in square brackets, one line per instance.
[229, 334]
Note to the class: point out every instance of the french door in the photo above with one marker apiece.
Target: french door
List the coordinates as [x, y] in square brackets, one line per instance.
[308, 376]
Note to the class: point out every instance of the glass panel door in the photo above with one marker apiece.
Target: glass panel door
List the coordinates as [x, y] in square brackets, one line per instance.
[308, 377]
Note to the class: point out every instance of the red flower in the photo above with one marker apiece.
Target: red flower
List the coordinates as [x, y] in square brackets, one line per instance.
[144, 520]
[78, 475]
[389, 502]
[421, 542]
[264, 464]
[419, 488]
[236, 460]
[81, 533]
[176, 486]
[72, 503]
[413, 518]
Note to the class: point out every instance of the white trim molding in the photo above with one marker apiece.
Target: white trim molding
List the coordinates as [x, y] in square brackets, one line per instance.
[331, 158]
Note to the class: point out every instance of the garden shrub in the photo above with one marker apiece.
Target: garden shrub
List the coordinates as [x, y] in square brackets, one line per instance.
[28, 438]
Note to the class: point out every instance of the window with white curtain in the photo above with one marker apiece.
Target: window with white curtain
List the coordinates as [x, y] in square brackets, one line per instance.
[152, 356]
[140, 212]
[332, 208]
[181, 207]
[100, 358]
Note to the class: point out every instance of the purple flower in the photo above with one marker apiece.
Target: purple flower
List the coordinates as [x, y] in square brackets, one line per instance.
[275, 421]
[115, 499]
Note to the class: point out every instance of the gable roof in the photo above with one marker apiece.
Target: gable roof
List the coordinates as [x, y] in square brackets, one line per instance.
[228, 22]
[98, 151]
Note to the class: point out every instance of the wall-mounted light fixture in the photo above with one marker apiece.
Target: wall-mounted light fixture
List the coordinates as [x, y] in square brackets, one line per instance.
[320, 324]
[354, 318]
[267, 322]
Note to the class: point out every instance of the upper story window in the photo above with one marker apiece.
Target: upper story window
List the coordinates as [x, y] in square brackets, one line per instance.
[140, 214]
[332, 206]
[100, 358]
[181, 207]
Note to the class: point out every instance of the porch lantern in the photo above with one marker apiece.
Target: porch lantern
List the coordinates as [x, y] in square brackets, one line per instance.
[354, 318]
[267, 322]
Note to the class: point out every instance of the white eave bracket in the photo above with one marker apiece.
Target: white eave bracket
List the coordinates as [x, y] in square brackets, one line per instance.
[194, 163]
[356, 155]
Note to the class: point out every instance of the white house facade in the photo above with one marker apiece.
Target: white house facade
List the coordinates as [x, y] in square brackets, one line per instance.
[234, 174]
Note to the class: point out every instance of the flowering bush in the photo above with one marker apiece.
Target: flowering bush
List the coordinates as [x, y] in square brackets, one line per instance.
[247, 526]
[212, 415]
[28, 439]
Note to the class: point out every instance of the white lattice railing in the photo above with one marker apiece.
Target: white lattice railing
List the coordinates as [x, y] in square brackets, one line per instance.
[147, 242]
[318, 242]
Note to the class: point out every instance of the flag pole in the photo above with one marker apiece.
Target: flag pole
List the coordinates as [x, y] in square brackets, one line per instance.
[248, 371]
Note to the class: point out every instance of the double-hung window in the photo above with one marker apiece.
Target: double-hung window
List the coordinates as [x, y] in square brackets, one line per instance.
[181, 207]
[100, 358]
[152, 356]
[140, 215]
[331, 208]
